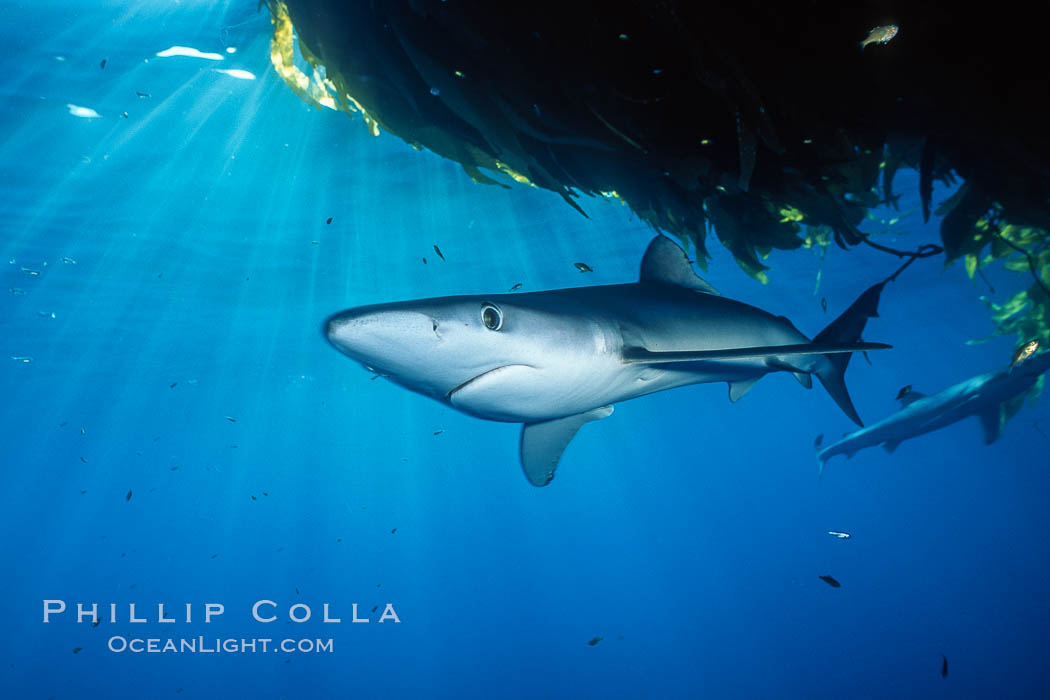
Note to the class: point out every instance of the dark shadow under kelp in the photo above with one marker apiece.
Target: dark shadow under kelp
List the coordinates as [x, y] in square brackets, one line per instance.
[763, 122]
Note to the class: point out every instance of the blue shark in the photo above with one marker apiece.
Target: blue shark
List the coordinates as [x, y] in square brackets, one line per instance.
[987, 396]
[556, 360]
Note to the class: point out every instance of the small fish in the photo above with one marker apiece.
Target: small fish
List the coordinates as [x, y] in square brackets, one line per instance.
[83, 491]
[97, 622]
[329, 220]
[128, 497]
[583, 267]
[16, 290]
[880, 35]
[830, 580]
[424, 261]
[83, 460]
[214, 556]
[944, 666]
[174, 469]
[31, 272]
[69, 261]
[133, 585]
[824, 304]
[438, 432]
[394, 531]
[266, 494]
[379, 585]
[818, 441]
[172, 385]
[46, 314]
[102, 65]
[1024, 352]
[515, 287]
[905, 390]
[594, 641]
[142, 94]
[77, 650]
[438, 251]
[254, 498]
[63, 424]
[232, 420]
[297, 590]
[840, 535]
[374, 608]
[24, 359]
[124, 114]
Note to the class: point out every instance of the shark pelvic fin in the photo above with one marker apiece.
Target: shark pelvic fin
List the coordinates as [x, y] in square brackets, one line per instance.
[911, 397]
[738, 389]
[542, 444]
[991, 424]
[631, 355]
[665, 262]
[891, 445]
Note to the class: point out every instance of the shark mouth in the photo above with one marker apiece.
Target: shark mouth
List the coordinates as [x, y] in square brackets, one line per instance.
[483, 374]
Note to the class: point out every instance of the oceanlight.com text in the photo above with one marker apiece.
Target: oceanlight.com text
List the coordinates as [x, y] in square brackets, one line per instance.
[218, 645]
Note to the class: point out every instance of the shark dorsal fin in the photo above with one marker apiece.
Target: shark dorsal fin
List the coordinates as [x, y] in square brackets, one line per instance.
[665, 262]
[911, 397]
[543, 443]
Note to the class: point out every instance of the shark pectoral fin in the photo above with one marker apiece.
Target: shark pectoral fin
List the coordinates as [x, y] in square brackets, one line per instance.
[665, 262]
[542, 444]
[991, 424]
[738, 389]
[891, 445]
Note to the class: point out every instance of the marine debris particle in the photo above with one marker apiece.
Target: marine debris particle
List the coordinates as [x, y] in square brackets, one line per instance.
[232, 420]
[880, 35]
[83, 460]
[97, 622]
[174, 469]
[83, 112]
[172, 385]
[213, 556]
[128, 496]
[583, 267]
[77, 650]
[824, 304]
[102, 64]
[594, 641]
[374, 608]
[839, 535]
[944, 666]
[438, 251]
[254, 498]
[83, 491]
[905, 390]
[142, 94]
[830, 580]
[236, 73]
[1024, 352]
[515, 287]
[329, 220]
[393, 531]
[24, 359]
[818, 440]
[188, 52]
[69, 261]
[424, 261]
[124, 114]
[16, 291]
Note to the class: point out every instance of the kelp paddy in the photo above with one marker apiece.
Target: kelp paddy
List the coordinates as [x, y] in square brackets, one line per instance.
[772, 127]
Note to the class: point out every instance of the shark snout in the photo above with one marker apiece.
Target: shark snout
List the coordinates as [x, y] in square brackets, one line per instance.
[376, 337]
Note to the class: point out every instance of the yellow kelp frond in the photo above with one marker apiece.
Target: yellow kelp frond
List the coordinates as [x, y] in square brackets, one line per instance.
[313, 89]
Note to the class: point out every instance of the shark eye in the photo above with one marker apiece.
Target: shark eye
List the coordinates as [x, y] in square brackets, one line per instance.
[491, 316]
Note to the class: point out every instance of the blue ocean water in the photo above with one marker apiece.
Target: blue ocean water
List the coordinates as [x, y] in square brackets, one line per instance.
[184, 435]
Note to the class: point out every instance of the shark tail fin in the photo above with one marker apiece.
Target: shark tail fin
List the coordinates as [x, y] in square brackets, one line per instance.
[847, 328]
